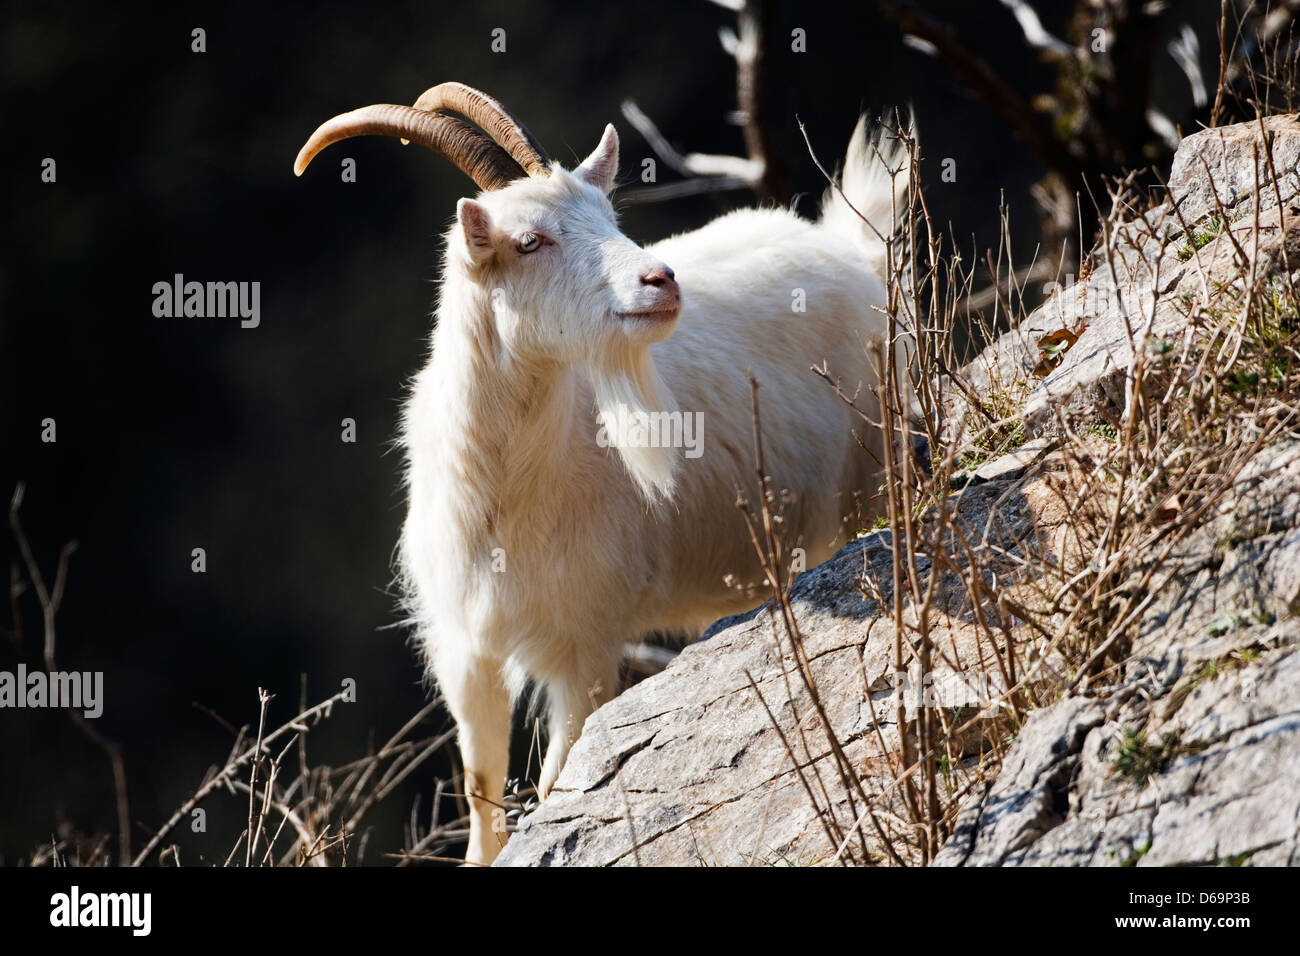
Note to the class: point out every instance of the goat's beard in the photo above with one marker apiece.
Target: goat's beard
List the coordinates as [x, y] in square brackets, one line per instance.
[631, 402]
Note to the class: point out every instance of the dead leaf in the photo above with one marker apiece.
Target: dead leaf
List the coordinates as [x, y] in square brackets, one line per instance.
[1169, 510]
[1052, 348]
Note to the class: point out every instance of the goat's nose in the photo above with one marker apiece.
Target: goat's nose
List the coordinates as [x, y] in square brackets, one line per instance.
[658, 276]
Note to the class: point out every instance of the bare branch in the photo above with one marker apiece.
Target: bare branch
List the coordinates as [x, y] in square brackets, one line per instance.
[1186, 51]
[1036, 35]
[50, 601]
[761, 169]
[985, 84]
[299, 724]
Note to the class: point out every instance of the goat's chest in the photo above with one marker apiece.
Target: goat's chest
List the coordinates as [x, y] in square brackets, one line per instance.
[536, 580]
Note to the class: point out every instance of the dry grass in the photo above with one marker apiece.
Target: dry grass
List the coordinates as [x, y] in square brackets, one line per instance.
[298, 813]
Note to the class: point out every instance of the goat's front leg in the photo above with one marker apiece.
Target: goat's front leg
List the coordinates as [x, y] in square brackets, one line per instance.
[477, 698]
[571, 701]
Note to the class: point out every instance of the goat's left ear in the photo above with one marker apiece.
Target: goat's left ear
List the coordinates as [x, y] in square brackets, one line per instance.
[476, 223]
[601, 166]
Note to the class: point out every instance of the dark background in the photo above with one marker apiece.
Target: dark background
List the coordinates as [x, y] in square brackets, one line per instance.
[179, 433]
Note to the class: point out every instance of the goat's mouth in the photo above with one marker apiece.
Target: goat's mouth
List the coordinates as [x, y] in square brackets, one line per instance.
[662, 314]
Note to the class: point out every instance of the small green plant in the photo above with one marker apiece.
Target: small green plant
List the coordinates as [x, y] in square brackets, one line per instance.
[971, 460]
[1138, 759]
[1237, 859]
[1100, 429]
[1133, 860]
[1241, 381]
[1226, 623]
[1005, 437]
[1200, 238]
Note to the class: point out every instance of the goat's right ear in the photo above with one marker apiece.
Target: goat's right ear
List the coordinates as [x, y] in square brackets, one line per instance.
[601, 166]
[476, 223]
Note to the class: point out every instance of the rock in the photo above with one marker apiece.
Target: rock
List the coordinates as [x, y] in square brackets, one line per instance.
[1178, 248]
[1191, 755]
[1228, 166]
[1226, 723]
[1011, 465]
[1027, 799]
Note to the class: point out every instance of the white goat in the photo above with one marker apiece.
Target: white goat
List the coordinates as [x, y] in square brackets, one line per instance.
[533, 549]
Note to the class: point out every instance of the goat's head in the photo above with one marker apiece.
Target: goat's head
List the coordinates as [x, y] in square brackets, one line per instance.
[542, 242]
[541, 250]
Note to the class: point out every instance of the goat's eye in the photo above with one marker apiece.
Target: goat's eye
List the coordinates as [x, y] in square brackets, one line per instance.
[528, 242]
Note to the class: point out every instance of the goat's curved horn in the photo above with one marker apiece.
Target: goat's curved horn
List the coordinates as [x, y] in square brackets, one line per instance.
[497, 121]
[484, 161]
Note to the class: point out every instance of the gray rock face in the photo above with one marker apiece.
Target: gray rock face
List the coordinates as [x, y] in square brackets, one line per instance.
[1179, 248]
[1230, 167]
[1211, 699]
[1193, 757]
